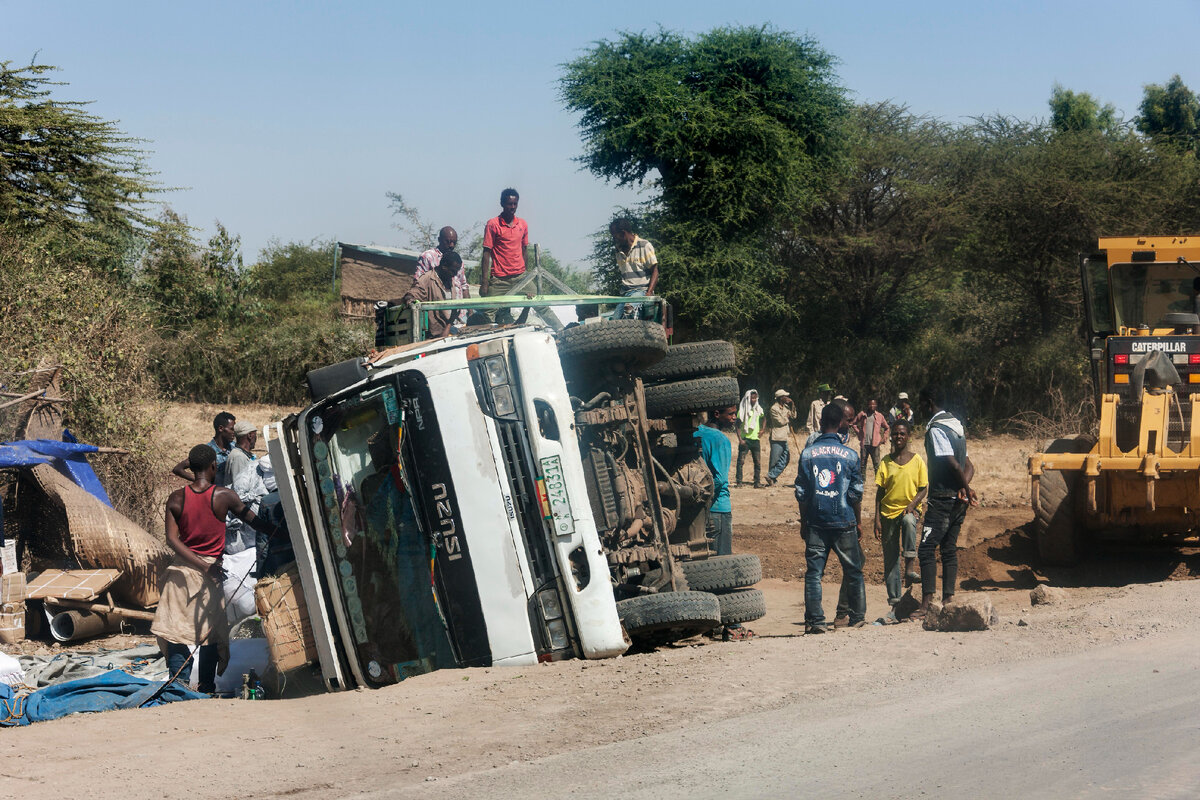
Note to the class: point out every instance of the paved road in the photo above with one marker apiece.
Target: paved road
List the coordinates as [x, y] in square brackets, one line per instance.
[1120, 721]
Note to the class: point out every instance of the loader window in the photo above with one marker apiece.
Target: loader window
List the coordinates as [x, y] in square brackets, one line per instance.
[1098, 304]
[1146, 293]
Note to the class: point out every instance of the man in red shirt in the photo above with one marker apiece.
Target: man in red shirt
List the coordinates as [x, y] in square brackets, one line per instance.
[191, 610]
[505, 238]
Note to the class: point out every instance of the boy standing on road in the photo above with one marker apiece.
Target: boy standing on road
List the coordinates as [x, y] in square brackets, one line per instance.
[749, 421]
[902, 482]
[950, 473]
[829, 491]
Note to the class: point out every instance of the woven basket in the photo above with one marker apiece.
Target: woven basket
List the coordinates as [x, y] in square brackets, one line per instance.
[97, 536]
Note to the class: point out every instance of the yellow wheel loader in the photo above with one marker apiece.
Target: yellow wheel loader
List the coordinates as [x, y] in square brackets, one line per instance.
[1139, 474]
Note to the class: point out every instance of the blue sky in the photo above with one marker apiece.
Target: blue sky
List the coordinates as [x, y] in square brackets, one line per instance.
[292, 120]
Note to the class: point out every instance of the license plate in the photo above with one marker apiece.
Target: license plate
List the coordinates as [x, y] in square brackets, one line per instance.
[556, 494]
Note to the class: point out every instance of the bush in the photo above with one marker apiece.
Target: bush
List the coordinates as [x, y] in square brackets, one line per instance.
[259, 362]
[54, 310]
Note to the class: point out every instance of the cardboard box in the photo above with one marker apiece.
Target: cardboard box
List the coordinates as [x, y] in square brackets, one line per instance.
[12, 627]
[280, 603]
[12, 587]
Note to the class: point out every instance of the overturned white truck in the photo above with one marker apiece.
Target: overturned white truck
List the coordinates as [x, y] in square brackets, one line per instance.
[507, 495]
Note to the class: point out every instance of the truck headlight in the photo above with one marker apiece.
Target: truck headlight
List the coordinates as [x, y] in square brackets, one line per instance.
[551, 605]
[558, 634]
[497, 370]
[502, 400]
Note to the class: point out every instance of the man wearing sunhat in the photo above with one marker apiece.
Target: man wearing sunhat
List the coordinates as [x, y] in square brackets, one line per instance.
[813, 423]
[241, 457]
[903, 410]
[780, 417]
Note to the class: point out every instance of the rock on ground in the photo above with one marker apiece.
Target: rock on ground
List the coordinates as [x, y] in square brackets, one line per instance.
[967, 613]
[1045, 595]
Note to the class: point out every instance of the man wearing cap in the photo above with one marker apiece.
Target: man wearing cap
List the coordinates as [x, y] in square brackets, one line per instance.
[813, 423]
[780, 417]
[245, 436]
[903, 410]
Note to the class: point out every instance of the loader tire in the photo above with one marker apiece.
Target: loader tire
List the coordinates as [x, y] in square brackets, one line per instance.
[631, 344]
[1057, 528]
[692, 360]
[669, 616]
[686, 397]
[720, 574]
[746, 605]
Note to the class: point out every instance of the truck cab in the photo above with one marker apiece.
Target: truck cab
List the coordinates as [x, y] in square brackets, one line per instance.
[437, 507]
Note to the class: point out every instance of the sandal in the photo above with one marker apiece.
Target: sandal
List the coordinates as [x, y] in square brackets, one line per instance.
[916, 616]
[738, 634]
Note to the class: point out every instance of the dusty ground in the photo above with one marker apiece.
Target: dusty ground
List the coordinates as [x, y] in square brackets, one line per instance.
[430, 733]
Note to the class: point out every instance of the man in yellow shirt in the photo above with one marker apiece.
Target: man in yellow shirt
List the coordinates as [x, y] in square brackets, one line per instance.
[902, 482]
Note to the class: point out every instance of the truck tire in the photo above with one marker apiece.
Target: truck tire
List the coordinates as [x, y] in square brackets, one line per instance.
[720, 574]
[634, 343]
[686, 397]
[669, 616]
[746, 605]
[1058, 532]
[692, 360]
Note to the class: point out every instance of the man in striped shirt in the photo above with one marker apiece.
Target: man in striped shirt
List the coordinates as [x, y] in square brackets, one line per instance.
[637, 263]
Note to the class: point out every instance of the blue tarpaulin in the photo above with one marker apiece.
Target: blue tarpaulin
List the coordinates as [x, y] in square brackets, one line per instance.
[106, 692]
[69, 458]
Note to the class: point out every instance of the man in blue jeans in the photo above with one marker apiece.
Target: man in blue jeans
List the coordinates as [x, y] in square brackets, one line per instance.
[829, 490]
[637, 264]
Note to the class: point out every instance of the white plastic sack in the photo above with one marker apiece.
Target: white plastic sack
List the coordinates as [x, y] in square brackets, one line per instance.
[11, 672]
[267, 473]
[239, 586]
[244, 655]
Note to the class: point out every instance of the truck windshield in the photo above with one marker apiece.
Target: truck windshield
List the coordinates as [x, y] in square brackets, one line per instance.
[381, 555]
[1146, 293]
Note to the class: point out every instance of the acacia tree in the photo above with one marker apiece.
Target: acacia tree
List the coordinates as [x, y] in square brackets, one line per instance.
[66, 169]
[731, 129]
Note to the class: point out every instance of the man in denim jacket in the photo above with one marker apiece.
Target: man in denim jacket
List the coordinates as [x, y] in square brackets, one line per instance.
[829, 489]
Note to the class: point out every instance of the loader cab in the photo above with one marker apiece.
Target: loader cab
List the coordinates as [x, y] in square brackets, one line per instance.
[1141, 296]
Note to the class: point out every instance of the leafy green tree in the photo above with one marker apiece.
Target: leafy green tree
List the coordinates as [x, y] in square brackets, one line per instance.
[64, 168]
[1071, 111]
[1170, 111]
[291, 270]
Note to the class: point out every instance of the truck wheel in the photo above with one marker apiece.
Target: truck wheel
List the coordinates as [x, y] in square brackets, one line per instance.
[744, 606]
[635, 344]
[686, 397]
[669, 616]
[692, 360]
[723, 573]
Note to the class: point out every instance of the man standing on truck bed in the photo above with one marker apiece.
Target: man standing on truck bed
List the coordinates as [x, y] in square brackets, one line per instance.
[437, 284]
[950, 473]
[637, 264]
[461, 289]
[504, 240]
[191, 610]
